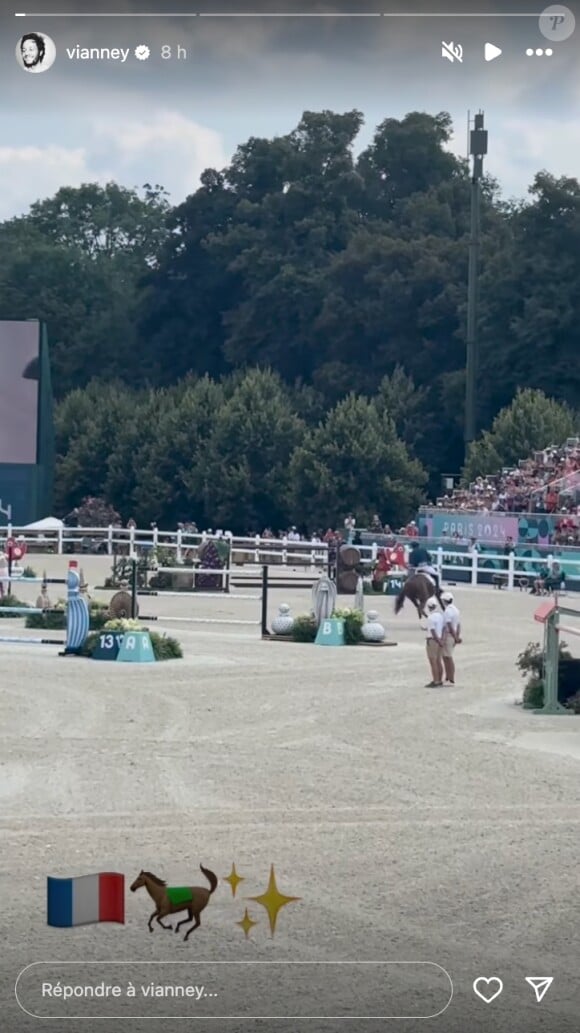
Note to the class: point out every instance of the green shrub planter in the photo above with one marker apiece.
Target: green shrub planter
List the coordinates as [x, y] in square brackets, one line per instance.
[530, 662]
[353, 622]
[305, 628]
[11, 600]
[98, 617]
[164, 647]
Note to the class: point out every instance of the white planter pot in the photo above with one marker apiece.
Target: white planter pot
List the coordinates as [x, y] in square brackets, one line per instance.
[283, 623]
[372, 631]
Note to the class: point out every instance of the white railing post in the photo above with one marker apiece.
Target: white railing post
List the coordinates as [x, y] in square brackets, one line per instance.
[284, 551]
[312, 555]
[474, 556]
[374, 552]
[439, 562]
[550, 562]
[511, 571]
[178, 547]
[155, 537]
[110, 540]
[132, 542]
[59, 543]
[257, 549]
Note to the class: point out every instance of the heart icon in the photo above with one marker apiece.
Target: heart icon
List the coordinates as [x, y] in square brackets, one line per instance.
[488, 989]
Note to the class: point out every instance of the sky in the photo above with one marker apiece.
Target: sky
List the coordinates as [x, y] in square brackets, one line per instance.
[165, 120]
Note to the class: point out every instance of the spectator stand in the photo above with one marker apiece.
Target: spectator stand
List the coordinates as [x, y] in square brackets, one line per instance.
[548, 482]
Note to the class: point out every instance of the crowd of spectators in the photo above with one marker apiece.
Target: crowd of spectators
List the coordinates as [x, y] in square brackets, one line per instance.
[548, 483]
[351, 531]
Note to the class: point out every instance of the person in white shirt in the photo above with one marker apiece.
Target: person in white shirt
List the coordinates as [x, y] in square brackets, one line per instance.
[451, 635]
[434, 643]
[3, 574]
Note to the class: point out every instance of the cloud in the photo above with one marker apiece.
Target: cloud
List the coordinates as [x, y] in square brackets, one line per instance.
[526, 147]
[29, 173]
[185, 142]
[167, 148]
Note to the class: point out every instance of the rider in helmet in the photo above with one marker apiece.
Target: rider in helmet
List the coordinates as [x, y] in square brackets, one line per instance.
[420, 560]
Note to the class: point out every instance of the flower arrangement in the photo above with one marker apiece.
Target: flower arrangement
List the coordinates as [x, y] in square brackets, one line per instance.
[123, 624]
[353, 622]
[305, 629]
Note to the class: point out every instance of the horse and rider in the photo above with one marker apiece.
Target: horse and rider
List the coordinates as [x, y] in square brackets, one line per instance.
[422, 581]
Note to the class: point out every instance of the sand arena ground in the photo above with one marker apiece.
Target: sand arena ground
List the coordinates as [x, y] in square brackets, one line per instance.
[431, 825]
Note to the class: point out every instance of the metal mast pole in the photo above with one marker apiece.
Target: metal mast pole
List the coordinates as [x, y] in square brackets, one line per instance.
[478, 148]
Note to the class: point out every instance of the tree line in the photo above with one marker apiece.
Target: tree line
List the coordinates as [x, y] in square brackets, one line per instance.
[241, 453]
[334, 281]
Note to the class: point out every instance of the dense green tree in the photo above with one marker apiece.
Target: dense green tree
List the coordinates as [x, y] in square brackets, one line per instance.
[243, 476]
[407, 157]
[87, 424]
[129, 459]
[529, 424]
[409, 407]
[76, 261]
[332, 271]
[531, 299]
[354, 461]
[105, 222]
[180, 321]
[173, 451]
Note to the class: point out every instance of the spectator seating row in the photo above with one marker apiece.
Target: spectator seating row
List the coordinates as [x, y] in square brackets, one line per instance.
[547, 482]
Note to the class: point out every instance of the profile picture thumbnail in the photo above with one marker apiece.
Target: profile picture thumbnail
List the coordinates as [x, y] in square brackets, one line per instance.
[35, 52]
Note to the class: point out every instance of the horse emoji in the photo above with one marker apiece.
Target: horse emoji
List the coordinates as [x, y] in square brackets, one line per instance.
[171, 899]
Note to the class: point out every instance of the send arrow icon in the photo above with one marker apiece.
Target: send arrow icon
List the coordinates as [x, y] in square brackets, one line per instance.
[540, 985]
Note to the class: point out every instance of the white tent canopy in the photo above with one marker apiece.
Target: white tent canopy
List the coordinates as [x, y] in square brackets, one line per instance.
[47, 524]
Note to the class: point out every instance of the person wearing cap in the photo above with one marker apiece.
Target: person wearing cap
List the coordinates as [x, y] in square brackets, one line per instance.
[434, 643]
[451, 635]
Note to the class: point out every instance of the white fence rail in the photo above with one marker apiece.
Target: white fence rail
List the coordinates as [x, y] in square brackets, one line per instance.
[284, 552]
[475, 566]
[131, 541]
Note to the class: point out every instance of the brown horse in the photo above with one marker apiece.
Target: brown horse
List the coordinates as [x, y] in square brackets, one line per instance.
[171, 899]
[418, 589]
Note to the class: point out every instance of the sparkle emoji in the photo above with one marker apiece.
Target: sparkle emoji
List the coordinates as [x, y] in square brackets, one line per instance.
[246, 924]
[272, 900]
[234, 879]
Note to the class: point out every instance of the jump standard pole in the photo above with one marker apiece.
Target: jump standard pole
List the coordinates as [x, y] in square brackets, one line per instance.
[552, 706]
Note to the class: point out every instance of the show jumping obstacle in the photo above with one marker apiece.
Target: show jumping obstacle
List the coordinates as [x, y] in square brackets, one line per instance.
[234, 578]
[548, 614]
[261, 597]
[77, 614]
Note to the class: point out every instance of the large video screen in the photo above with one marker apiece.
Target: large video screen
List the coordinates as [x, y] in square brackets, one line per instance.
[19, 372]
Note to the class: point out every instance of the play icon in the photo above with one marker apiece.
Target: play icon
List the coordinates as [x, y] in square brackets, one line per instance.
[491, 51]
[540, 985]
